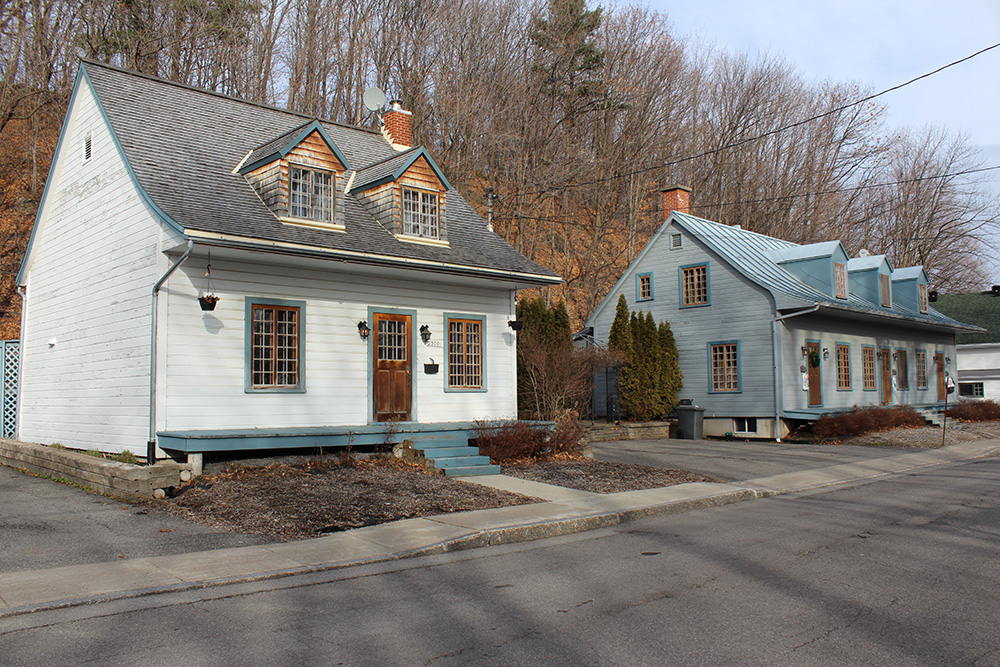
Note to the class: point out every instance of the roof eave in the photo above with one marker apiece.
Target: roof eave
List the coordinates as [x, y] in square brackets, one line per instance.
[357, 257]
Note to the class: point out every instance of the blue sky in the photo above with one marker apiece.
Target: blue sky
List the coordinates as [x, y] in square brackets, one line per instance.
[882, 43]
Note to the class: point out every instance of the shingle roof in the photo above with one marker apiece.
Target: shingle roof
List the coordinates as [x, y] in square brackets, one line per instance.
[980, 309]
[183, 143]
[753, 255]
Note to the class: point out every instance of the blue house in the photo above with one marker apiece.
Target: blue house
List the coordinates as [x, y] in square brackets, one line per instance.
[770, 332]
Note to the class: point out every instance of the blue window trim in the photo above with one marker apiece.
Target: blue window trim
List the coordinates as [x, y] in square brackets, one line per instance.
[638, 290]
[248, 304]
[464, 390]
[370, 346]
[739, 365]
[863, 387]
[850, 374]
[927, 376]
[819, 344]
[895, 357]
[708, 284]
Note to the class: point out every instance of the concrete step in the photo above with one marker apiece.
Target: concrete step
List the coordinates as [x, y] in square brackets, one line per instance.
[461, 461]
[468, 471]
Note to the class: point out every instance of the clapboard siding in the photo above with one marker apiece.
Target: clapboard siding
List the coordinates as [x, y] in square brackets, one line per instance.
[830, 331]
[94, 261]
[739, 310]
[205, 352]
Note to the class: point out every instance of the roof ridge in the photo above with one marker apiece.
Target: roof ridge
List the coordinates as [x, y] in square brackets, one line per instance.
[736, 229]
[195, 89]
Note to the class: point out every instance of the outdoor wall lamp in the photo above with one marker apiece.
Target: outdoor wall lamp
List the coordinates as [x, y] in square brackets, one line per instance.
[805, 350]
[425, 333]
[363, 329]
[947, 360]
[826, 353]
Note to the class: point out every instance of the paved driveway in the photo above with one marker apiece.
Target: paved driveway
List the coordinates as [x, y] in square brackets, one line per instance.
[736, 461]
[44, 524]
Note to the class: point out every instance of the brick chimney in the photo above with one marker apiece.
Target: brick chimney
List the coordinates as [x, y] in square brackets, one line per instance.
[677, 198]
[397, 124]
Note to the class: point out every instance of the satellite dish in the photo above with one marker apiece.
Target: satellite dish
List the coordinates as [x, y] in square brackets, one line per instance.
[373, 99]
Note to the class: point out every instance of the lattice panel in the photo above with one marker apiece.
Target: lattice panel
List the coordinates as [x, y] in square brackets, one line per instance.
[11, 369]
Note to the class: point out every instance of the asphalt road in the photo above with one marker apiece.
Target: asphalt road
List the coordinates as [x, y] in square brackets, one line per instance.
[901, 571]
[44, 524]
[738, 460]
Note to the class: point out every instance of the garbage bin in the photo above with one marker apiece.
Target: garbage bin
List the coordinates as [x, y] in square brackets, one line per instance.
[690, 422]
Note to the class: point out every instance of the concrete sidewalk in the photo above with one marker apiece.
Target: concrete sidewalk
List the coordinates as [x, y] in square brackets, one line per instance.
[565, 511]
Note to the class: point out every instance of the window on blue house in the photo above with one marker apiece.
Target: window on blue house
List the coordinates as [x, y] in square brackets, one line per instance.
[725, 360]
[645, 287]
[465, 353]
[694, 285]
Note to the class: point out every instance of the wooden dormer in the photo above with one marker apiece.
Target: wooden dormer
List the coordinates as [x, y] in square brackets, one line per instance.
[407, 194]
[300, 177]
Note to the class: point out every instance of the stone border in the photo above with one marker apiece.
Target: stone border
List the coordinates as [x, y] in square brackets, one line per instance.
[598, 431]
[110, 478]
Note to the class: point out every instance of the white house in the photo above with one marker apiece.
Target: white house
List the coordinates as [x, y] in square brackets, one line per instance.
[316, 233]
[978, 353]
[771, 333]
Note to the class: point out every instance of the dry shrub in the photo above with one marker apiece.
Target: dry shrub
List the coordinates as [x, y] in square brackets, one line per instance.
[866, 420]
[975, 411]
[513, 440]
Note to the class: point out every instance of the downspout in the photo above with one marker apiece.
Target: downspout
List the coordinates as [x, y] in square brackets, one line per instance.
[151, 443]
[776, 351]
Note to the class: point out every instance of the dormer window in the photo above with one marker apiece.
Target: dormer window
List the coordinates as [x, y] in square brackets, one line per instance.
[885, 289]
[310, 194]
[922, 296]
[420, 213]
[840, 279]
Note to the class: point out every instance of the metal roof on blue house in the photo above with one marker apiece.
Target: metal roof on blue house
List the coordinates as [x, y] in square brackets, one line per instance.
[758, 257]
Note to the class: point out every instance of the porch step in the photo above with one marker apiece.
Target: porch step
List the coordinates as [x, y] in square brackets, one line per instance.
[444, 452]
[934, 417]
[453, 456]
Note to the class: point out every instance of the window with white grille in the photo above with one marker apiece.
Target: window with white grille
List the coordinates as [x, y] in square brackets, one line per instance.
[868, 363]
[921, 359]
[420, 213]
[922, 296]
[310, 194]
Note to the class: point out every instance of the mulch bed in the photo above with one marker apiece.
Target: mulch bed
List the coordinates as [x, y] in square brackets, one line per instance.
[294, 501]
[600, 476]
[289, 500]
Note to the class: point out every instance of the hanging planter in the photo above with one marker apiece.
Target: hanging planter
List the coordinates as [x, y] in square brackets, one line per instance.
[516, 325]
[814, 359]
[208, 301]
[208, 298]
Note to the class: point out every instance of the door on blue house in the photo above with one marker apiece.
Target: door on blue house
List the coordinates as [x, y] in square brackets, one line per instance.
[392, 373]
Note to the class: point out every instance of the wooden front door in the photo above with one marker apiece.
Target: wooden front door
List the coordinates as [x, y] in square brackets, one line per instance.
[886, 376]
[815, 374]
[939, 362]
[392, 372]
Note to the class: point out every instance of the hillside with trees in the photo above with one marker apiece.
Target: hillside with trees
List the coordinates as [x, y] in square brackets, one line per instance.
[575, 116]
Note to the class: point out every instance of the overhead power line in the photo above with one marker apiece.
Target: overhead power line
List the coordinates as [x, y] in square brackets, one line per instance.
[764, 135]
[797, 195]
